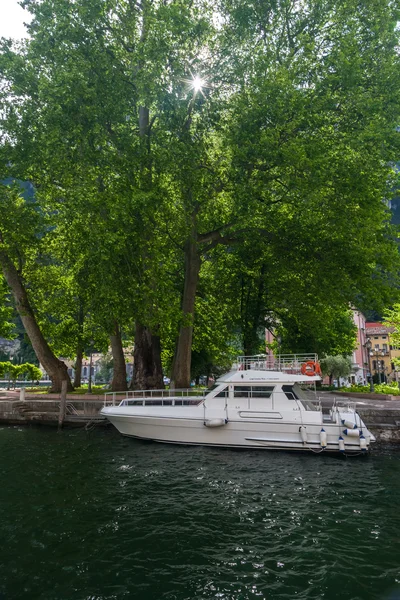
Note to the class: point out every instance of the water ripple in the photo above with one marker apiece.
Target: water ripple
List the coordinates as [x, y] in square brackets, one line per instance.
[99, 517]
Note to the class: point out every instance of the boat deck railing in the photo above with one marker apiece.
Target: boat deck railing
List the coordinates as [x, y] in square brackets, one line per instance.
[188, 397]
[288, 363]
[344, 405]
[173, 401]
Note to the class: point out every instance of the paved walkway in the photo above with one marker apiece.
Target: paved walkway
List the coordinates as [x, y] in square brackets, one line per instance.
[371, 403]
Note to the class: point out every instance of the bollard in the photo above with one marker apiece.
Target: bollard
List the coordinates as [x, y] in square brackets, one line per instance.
[22, 394]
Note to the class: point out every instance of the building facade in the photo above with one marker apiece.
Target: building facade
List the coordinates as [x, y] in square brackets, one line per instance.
[383, 351]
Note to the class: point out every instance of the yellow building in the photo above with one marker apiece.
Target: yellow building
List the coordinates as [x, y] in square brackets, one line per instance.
[382, 351]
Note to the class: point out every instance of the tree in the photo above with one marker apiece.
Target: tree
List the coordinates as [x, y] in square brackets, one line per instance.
[318, 328]
[31, 371]
[7, 327]
[336, 367]
[126, 58]
[104, 370]
[281, 156]
[391, 318]
[18, 237]
[8, 369]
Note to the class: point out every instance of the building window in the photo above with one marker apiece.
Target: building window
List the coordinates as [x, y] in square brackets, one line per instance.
[376, 346]
[384, 347]
[374, 365]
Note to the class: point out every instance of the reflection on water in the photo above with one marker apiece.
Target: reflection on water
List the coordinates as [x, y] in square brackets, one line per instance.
[96, 516]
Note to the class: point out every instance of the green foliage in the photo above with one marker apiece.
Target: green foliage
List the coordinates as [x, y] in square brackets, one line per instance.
[275, 172]
[7, 327]
[383, 388]
[105, 368]
[7, 369]
[391, 319]
[32, 372]
[21, 223]
[360, 388]
[15, 372]
[336, 366]
[318, 328]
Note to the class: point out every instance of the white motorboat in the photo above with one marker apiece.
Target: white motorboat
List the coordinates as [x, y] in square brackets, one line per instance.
[264, 402]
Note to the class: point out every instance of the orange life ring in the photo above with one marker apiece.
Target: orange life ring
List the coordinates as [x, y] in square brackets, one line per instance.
[310, 368]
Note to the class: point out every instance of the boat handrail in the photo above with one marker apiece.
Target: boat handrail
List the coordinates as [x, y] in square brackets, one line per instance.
[172, 401]
[115, 398]
[344, 403]
[288, 363]
[338, 404]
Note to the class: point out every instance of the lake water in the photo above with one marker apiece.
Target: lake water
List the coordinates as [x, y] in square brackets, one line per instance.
[94, 516]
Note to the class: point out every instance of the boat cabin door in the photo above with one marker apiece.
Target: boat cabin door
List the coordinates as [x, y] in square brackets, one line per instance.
[217, 406]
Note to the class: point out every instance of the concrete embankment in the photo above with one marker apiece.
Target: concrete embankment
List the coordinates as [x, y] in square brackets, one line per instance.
[44, 409]
[380, 414]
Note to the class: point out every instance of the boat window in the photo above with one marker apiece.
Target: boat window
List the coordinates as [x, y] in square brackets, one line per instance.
[242, 391]
[262, 391]
[213, 387]
[223, 393]
[289, 392]
[253, 391]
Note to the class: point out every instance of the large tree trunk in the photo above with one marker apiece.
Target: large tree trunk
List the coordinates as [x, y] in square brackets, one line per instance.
[118, 383]
[148, 373]
[251, 313]
[182, 360]
[55, 368]
[78, 367]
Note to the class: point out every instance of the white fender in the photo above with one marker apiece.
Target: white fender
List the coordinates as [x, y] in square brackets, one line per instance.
[352, 432]
[303, 433]
[349, 424]
[363, 443]
[341, 444]
[322, 437]
[214, 422]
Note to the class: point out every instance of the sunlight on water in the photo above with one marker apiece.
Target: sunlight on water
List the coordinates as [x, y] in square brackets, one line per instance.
[96, 516]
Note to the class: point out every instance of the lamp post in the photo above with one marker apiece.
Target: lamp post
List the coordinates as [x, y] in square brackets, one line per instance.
[378, 366]
[368, 346]
[90, 373]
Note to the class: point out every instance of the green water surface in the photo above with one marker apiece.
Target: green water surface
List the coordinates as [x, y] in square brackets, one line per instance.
[99, 517]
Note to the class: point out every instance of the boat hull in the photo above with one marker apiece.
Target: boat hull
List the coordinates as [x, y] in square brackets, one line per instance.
[234, 434]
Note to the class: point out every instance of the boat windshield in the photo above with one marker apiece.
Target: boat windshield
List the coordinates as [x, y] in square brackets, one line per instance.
[221, 394]
[306, 397]
[213, 387]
